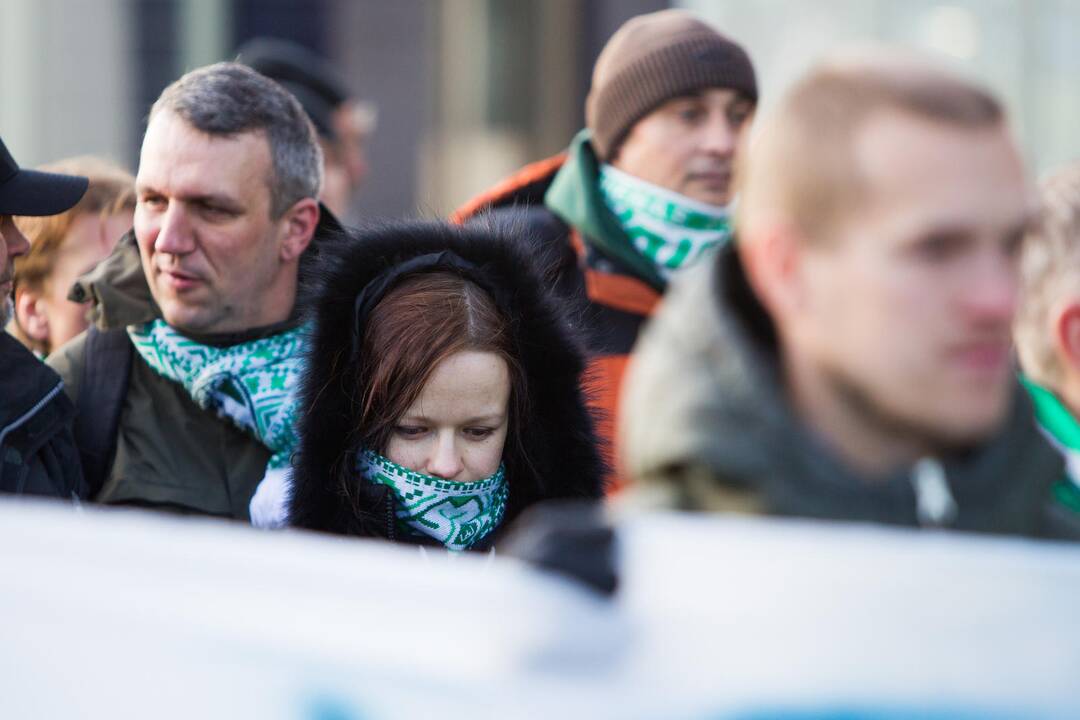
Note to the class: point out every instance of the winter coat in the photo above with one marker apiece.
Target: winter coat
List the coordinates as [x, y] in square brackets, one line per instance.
[37, 450]
[169, 453]
[611, 286]
[557, 434]
[707, 426]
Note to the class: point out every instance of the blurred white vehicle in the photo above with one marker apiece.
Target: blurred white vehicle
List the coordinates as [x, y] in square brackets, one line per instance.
[117, 614]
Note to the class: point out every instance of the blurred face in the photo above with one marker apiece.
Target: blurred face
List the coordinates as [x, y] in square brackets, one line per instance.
[457, 427]
[907, 309]
[336, 189]
[12, 244]
[211, 252]
[89, 241]
[688, 144]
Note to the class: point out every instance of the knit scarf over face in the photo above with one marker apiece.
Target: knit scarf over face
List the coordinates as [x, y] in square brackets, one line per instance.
[252, 384]
[671, 230]
[457, 514]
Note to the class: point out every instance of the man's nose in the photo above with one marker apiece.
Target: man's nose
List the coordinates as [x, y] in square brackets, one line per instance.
[718, 136]
[993, 292]
[175, 233]
[445, 460]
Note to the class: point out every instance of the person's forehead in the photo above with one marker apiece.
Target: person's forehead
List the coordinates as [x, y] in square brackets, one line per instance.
[923, 165]
[173, 147]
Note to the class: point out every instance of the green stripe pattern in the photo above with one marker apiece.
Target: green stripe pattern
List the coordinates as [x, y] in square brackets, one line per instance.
[671, 230]
[251, 384]
[457, 514]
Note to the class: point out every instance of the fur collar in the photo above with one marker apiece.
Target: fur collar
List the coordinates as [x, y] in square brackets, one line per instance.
[560, 444]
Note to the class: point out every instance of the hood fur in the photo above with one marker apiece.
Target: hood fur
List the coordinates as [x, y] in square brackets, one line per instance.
[558, 437]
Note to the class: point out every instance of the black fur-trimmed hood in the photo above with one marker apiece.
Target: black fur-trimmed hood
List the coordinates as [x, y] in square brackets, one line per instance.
[557, 432]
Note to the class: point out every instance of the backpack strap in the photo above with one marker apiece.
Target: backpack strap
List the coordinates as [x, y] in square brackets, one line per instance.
[102, 388]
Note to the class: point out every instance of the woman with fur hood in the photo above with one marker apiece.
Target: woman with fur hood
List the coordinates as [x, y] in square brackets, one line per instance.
[442, 394]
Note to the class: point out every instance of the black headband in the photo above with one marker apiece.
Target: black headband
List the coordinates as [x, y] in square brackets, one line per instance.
[374, 291]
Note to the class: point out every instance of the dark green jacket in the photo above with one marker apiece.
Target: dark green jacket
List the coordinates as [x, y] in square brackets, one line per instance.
[170, 454]
[707, 426]
[37, 451]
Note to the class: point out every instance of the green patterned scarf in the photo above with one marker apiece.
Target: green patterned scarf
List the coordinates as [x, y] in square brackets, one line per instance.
[252, 384]
[457, 514]
[671, 230]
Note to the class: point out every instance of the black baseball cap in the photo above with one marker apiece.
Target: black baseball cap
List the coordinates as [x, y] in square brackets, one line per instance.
[32, 192]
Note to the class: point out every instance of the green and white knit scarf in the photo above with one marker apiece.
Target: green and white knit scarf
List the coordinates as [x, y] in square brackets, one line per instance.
[457, 514]
[252, 384]
[672, 230]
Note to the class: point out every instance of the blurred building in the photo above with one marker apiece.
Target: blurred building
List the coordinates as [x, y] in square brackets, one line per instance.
[468, 90]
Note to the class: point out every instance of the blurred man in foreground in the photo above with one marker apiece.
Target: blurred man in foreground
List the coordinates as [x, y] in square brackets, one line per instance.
[849, 357]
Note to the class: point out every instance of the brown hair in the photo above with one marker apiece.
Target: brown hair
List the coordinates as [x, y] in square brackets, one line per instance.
[421, 321]
[111, 190]
[802, 164]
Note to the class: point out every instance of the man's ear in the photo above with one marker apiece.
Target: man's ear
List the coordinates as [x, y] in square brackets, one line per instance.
[772, 258]
[299, 223]
[1067, 335]
[31, 315]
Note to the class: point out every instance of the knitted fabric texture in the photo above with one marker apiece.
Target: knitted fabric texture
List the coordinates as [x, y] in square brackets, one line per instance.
[252, 384]
[457, 514]
[671, 230]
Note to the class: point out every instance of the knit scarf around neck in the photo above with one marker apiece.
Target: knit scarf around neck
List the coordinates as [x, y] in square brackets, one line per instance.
[671, 230]
[252, 384]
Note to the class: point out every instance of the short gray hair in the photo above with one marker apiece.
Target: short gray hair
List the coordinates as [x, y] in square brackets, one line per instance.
[226, 99]
[1049, 268]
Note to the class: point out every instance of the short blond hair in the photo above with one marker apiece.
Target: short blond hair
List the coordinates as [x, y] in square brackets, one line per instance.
[1049, 270]
[802, 165]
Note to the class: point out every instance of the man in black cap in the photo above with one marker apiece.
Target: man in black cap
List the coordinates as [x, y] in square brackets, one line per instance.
[37, 452]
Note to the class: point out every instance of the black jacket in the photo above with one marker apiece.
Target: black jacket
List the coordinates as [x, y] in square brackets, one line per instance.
[558, 439]
[37, 450]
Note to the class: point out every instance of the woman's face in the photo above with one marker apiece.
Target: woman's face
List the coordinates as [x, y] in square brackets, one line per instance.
[456, 428]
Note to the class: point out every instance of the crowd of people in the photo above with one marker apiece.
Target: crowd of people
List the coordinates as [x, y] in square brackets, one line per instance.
[814, 314]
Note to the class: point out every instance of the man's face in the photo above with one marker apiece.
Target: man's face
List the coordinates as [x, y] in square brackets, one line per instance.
[688, 144]
[210, 250]
[908, 307]
[12, 244]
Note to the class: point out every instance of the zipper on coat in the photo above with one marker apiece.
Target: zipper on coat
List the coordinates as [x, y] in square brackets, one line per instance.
[25, 418]
[934, 502]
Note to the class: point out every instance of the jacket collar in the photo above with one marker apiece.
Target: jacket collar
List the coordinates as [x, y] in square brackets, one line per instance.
[746, 429]
[574, 196]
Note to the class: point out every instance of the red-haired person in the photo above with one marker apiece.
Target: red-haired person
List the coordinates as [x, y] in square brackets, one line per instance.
[64, 247]
[441, 395]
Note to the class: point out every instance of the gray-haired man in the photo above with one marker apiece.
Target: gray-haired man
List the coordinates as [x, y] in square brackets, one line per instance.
[195, 311]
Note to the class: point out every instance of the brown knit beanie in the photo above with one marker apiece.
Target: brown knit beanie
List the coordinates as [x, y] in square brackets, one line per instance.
[653, 58]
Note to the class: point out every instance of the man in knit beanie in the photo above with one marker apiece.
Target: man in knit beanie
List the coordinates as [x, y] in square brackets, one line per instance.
[643, 192]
